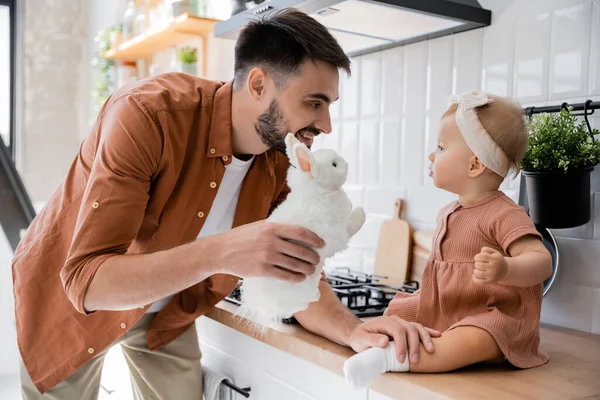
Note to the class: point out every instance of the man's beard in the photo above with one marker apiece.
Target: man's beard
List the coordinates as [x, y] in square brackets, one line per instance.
[272, 128]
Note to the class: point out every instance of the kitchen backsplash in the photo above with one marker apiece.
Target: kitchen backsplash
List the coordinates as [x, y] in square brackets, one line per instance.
[386, 122]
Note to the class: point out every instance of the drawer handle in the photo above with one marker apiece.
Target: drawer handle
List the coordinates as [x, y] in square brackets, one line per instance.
[243, 391]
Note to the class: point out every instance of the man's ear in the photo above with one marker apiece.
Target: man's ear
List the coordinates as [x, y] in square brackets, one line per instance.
[257, 83]
[476, 167]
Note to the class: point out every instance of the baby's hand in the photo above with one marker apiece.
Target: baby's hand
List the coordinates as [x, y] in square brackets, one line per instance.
[490, 266]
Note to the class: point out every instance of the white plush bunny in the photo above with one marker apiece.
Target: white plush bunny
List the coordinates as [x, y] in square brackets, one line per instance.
[318, 203]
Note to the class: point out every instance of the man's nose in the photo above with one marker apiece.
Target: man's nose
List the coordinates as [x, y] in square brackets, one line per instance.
[324, 123]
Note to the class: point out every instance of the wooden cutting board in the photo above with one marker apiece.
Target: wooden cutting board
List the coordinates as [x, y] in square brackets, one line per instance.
[394, 249]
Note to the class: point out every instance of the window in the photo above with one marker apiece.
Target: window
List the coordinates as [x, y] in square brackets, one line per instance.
[7, 73]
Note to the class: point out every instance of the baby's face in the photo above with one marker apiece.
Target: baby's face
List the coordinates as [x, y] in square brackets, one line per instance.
[450, 162]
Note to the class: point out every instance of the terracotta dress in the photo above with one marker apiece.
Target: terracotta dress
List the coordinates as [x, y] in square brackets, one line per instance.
[448, 298]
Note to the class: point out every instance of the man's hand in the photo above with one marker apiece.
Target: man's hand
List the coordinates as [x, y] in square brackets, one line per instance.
[490, 266]
[265, 249]
[406, 335]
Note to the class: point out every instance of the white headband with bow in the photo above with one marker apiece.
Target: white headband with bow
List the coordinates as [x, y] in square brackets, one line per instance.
[477, 138]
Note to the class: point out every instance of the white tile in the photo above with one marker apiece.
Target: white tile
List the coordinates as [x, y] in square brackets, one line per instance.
[349, 149]
[381, 200]
[413, 122]
[392, 74]
[596, 313]
[332, 140]
[368, 261]
[370, 81]
[594, 88]
[597, 216]
[334, 109]
[389, 171]
[355, 193]
[422, 225]
[514, 183]
[532, 48]
[569, 51]
[432, 126]
[439, 89]
[424, 203]
[569, 306]
[412, 148]
[583, 231]
[368, 235]
[439, 74]
[467, 61]
[512, 194]
[595, 180]
[350, 96]
[369, 151]
[578, 261]
[498, 54]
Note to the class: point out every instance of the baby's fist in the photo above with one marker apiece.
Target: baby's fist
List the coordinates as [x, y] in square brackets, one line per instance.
[490, 266]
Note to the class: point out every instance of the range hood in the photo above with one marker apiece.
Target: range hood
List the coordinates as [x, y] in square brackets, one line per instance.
[365, 26]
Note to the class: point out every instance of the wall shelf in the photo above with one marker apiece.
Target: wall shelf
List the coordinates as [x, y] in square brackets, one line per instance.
[182, 29]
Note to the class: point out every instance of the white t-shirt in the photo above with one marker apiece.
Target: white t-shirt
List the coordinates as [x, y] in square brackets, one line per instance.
[222, 211]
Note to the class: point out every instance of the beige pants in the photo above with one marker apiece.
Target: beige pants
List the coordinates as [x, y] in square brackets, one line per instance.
[171, 373]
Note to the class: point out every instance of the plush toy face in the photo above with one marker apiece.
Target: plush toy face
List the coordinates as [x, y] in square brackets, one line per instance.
[328, 168]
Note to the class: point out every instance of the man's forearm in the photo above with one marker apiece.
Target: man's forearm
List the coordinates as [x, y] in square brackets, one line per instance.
[125, 282]
[328, 317]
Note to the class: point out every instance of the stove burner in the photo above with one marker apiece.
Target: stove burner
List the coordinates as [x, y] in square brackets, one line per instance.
[360, 292]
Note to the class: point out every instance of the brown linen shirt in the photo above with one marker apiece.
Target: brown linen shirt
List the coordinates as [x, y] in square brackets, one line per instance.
[144, 180]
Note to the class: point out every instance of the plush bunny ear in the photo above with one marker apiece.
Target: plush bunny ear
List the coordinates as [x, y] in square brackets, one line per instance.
[306, 161]
[290, 141]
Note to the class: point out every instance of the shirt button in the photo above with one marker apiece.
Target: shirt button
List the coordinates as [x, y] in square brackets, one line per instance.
[201, 214]
[123, 326]
[91, 350]
[225, 158]
[213, 185]
[212, 151]
[95, 204]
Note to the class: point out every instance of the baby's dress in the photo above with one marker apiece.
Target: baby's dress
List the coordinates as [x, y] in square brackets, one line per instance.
[448, 298]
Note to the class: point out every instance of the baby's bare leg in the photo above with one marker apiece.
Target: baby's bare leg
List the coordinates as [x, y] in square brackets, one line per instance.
[458, 348]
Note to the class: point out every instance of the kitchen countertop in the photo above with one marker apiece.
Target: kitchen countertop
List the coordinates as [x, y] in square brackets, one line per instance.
[573, 371]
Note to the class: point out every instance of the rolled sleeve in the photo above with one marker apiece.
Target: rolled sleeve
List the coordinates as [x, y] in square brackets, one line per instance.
[116, 193]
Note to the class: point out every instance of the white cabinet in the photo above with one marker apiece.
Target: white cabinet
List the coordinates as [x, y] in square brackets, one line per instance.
[376, 396]
[271, 374]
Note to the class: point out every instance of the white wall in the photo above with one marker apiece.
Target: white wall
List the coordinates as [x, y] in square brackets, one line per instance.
[540, 52]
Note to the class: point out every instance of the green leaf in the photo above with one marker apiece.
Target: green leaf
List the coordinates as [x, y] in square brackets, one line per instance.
[560, 142]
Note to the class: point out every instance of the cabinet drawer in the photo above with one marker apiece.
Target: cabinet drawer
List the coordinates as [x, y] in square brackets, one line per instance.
[305, 377]
[262, 385]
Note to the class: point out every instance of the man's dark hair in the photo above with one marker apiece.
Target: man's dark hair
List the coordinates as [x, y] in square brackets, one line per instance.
[281, 42]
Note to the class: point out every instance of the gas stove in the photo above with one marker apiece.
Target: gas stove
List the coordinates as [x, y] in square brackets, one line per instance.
[360, 292]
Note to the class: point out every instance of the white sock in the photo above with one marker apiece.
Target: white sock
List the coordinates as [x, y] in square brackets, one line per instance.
[362, 368]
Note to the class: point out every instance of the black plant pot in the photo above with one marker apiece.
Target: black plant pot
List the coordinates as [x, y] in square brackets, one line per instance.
[559, 200]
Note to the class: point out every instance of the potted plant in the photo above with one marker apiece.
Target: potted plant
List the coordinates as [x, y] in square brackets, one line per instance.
[187, 60]
[560, 157]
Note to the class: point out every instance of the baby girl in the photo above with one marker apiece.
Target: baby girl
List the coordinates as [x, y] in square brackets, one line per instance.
[482, 286]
